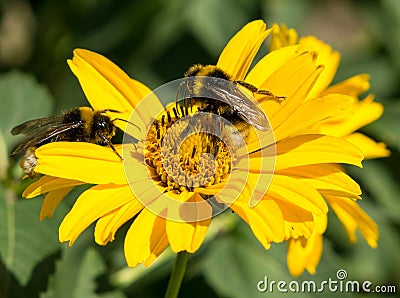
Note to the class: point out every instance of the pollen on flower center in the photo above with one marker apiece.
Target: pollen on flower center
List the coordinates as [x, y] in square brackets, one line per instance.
[184, 154]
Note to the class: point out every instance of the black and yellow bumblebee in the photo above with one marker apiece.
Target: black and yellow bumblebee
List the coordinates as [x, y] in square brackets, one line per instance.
[213, 90]
[81, 124]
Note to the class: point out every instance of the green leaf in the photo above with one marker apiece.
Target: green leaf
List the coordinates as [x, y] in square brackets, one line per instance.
[213, 23]
[92, 266]
[291, 13]
[3, 157]
[22, 99]
[384, 190]
[113, 294]
[237, 263]
[24, 240]
[77, 270]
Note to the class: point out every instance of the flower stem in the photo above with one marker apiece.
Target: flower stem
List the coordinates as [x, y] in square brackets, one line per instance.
[177, 274]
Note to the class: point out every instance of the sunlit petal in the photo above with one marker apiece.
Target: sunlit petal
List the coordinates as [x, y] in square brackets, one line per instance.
[353, 218]
[302, 75]
[107, 226]
[353, 86]
[239, 53]
[361, 114]
[188, 236]
[282, 37]
[298, 221]
[312, 112]
[47, 184]
[265, 219]
[52, 200]
[368, 146]
[297, 192]
[326, 178]
[145, 239]
[305, 253]
[105, 197]
[325, 56]
[96, 164]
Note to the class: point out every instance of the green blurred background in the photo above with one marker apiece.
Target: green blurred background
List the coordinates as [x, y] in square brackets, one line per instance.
[155, 41]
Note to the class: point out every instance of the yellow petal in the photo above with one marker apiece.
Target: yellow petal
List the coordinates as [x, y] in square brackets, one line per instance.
[258, 139]
[106, 198]
[325, 56]
[282, 36]
[104, 83]
[265, 219]
[305, 150]
[136, 169]
[145, 239]
[86, 162]
[353, 218]
[312, 111]
[242, 183]
[368, 146]
[298, 221]
[314, 149]
[46, 184]
[148, 109]
[304, 254]
[273, 220]
[326, 178]
[287, 73]
[362, 113]
[240, 51]
[106, 86]
[269, 64]
[299, 193]
[294, 80]
[156, 249]
[188, 236]
[353, 86]
[52, 200]
[107, 226]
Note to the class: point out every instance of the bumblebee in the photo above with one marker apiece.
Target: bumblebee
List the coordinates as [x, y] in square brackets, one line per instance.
[223, 96]
[82, 124]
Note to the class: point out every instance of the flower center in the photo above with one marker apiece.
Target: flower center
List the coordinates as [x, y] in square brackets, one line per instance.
[184, 153]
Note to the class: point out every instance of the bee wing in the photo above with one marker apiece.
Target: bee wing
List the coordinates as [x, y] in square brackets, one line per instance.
[32, 126]
[230, 94]
[43, 136]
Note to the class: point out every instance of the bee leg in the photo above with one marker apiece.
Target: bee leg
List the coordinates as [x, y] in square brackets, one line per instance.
[269, 93]
[177, 96]
[106, 140]
[255, 90]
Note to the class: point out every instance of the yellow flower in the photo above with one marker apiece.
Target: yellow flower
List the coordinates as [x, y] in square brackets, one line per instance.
[287, 204]
[305, 253]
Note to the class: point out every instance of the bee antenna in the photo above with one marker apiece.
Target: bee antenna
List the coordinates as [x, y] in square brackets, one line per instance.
[123, 120]
[131, 141]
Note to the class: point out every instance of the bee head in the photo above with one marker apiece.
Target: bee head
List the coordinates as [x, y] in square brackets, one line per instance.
[102, 124]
